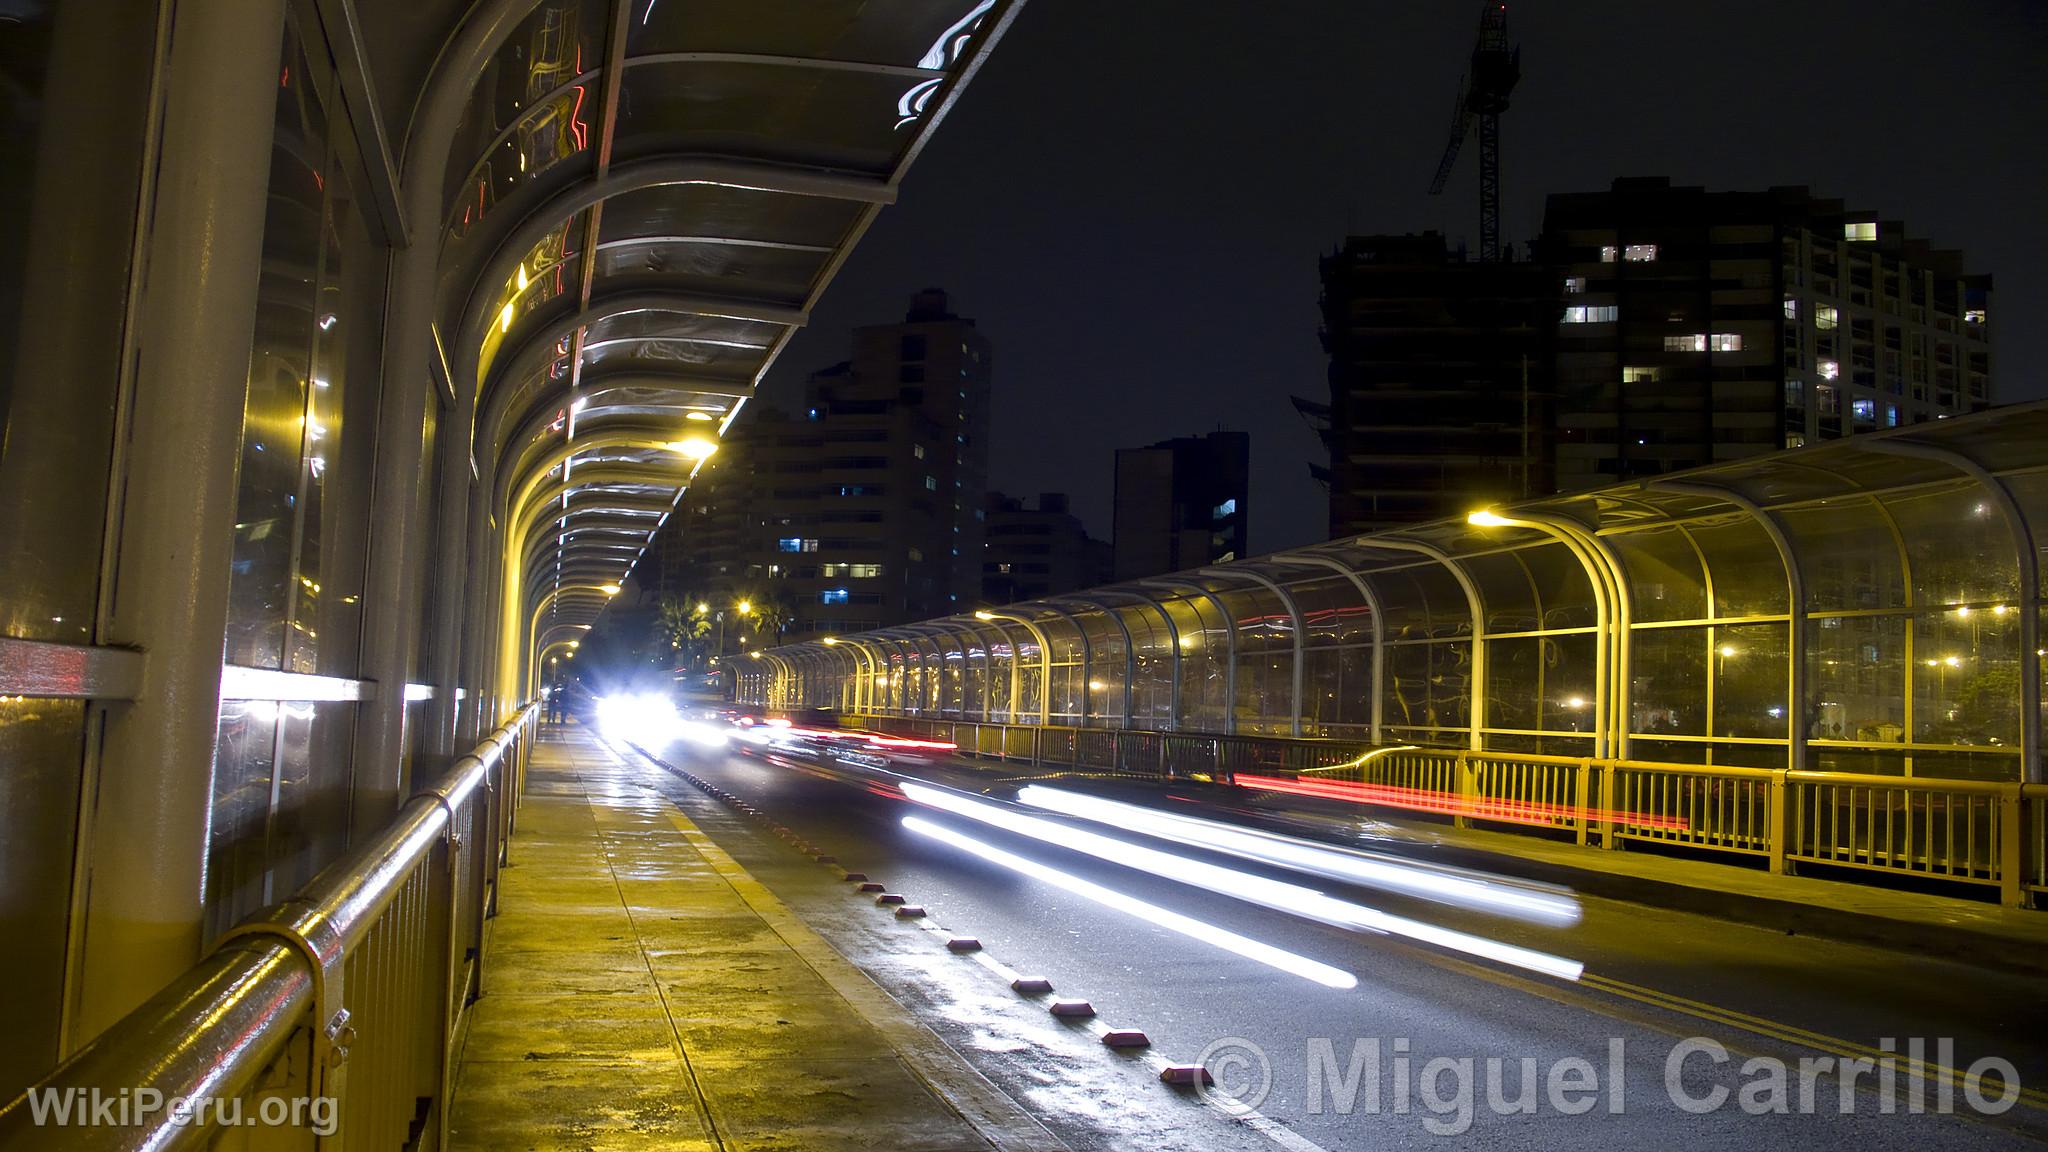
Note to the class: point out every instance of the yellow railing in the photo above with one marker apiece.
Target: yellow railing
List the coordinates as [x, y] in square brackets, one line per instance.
[1971, 832]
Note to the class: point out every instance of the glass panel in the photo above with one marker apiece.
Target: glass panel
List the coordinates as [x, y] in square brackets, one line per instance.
[274, 418]
[733, 214]
[238, 833]
[1429, 685]
[1665, 579]
[1750, 674]
[1668, 675]
[41, 745]
[2030, 492]
[867, 33]
[710, 266]
[1541, 683]
[1563, 589]
[1264, 625]
[1856, 675]
[1203, 651]
[1848, 556]
[1748, 573]
[1332, 611]
[74, 109]
[550, 270]
[847, 121]
[1966, 678]
[1336, 689]
[1514, 682]
[320, 444]
[1958, 548]
[1505, 590]
[1152, 690]
[531, 81]
[1422, 601]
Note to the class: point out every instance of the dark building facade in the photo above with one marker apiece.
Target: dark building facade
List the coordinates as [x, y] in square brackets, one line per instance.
[1440, 381]
[1705, 326]
[861, 507]
[1181, 503]
[1037, 550]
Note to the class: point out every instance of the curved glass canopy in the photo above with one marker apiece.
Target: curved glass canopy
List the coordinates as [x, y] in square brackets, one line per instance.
[646, 198]
[1869, 605]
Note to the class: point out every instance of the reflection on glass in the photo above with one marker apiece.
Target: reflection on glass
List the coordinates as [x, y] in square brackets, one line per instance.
[530, 112]
[1668, 674]
[1428, 685]
[1966, 677]
[1856, 678]
[274, 424]
[1750, 675]
[238, 826]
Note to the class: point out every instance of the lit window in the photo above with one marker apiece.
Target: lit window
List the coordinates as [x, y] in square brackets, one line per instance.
[1795, 440]
[1577, 283]
[796, 544]
[1003, 569]
[1791, 309]
[1973, 316]
[1693, 343]
[1227, 508]
[1638, 375]
[1828, 369]
[931, 483]
[832, 596]
[1794, 393]
[1827, 400]
[1609, 254]
[917, 450]
[1865, 411]
[1725, 342]
[1860, 230]
[1639, 253]
[1825, 318]
[1591, 314]
[1891, 415]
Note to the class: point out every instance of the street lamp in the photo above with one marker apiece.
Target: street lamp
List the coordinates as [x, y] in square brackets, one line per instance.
[694, 447]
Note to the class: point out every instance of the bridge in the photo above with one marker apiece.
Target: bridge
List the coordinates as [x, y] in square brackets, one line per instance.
[357, 349]
[1829, 656]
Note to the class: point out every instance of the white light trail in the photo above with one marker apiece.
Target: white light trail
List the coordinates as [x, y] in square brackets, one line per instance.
[1276, 894]
[1229, 941]
[1445, 886]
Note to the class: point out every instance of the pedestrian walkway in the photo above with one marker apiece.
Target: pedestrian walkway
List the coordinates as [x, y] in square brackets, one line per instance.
[641, 990]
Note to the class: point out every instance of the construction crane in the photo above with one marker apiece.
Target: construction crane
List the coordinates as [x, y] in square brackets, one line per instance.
[1483, 96]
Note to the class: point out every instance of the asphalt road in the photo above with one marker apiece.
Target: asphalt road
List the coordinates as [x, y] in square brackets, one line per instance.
[1727, 1006]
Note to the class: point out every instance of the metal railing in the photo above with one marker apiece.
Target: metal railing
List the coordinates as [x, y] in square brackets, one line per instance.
[1970, 832]
[346, 996]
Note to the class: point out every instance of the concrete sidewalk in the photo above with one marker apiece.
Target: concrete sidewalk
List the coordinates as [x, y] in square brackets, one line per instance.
[641, 990]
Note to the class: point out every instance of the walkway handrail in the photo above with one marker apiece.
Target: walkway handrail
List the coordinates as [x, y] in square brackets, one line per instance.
[209, 1034]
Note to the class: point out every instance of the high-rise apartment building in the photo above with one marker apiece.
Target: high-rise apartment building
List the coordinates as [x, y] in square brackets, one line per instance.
[863, 506]
[1038, 550]
[1701, 326]
[1181, 503]
[1440, 380]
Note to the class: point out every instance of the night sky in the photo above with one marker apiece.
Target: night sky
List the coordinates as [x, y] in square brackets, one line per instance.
[1131, 197]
